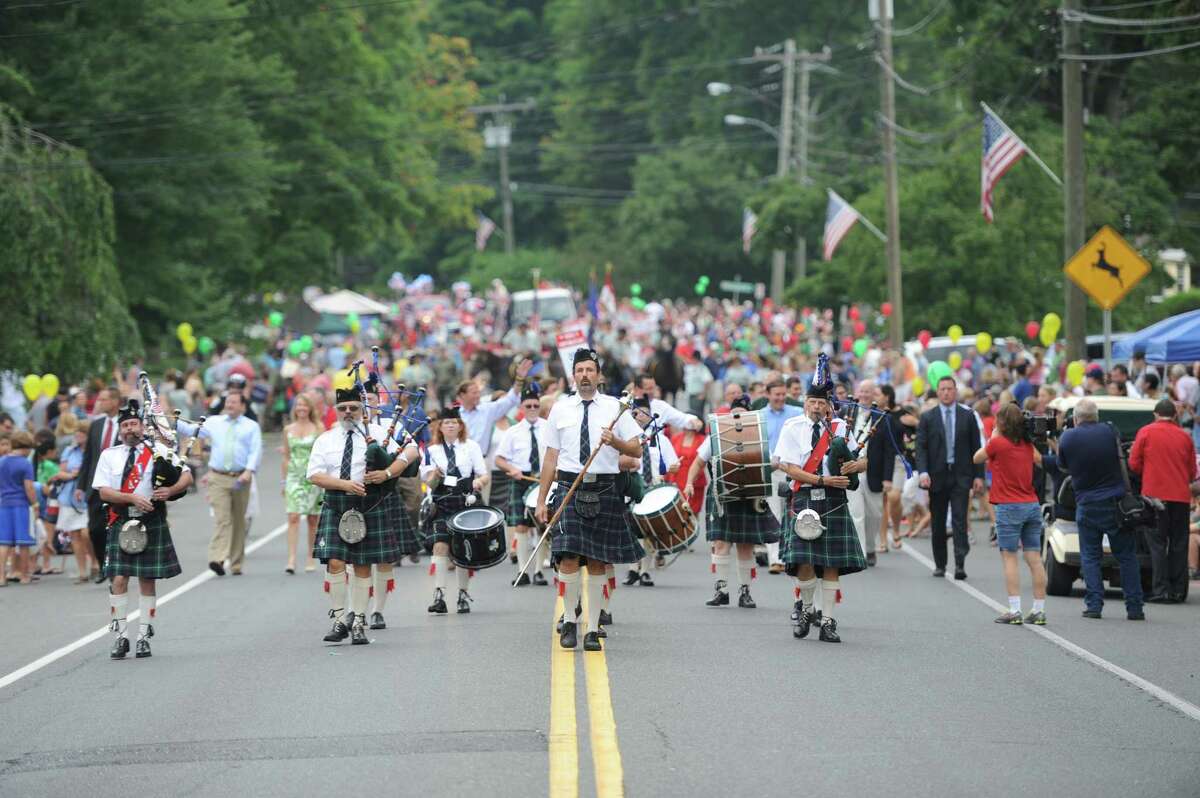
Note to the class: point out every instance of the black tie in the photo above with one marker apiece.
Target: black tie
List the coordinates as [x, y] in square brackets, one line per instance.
[535, 460]
[347, 455]
[129, 464]
[451, 463]
[816, 434]
[585, 440]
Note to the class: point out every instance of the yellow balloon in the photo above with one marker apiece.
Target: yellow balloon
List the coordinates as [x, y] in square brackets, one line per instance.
[355, 326]
[33, 386]
[983, 342]
[955, 360]
[342, 381]
[183, 331]
[954, 333]
[1047, 335]
[1075, 373]
[1053, 323]
[918, 386]
[50, 385]
[189, 344]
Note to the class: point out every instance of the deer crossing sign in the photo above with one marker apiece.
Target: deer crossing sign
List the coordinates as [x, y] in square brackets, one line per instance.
[1107, 268]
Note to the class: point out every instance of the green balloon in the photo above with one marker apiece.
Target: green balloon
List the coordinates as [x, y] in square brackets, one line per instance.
[306, 343]
[704, 279]
[636, 289]
[700, 289]
[205, 344]
[276, 318]
[638, 303]
[860, 347]
[295, 347]
[351, 317]
[937, 370]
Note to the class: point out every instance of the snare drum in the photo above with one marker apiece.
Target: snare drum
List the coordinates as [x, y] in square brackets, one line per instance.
[531, 503]
[477, 537]
[665, 518]
[741, 457]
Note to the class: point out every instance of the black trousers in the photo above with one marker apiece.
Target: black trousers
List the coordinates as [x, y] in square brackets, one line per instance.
[1168, 550]
[98, 528]
[956, 498]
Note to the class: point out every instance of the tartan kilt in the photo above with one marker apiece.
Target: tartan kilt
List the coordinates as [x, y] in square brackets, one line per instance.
[403, 527]
[380, 544]
[444, 508]
[838, 545]
[158, 561]
[607, 538]
[741, 523]
[514, 511]
[500, 495]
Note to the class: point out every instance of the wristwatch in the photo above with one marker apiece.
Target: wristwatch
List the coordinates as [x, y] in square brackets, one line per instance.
[821, 481]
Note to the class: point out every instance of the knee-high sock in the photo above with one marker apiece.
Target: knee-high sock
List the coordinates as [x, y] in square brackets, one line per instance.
[440, 566]
[808, 590]
[335, 586]
[744, 569]
[595, 593]
[464, 577]
[360, 590]
[382, 583]
[541, 554]
[568, 588]
[721, 563]
[117, 605]
[829, 591]
[522, 548]
[148, 610]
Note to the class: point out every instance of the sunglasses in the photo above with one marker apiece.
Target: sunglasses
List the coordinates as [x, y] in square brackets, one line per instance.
[349, 408]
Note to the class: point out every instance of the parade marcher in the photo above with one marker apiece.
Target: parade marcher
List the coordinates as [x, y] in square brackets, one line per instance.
[668, 414]
[592, 526]
[813, 452]
[659, 462]
[338, 465]
[125, 480]
[739, 525]
[775, 412]
[520, 455]
[457, 475]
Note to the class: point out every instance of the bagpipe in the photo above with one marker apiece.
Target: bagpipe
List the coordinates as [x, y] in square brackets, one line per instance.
[162, 438]
[403, 406]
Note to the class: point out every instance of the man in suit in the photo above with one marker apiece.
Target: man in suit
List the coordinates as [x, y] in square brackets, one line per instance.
[103, 433]
[947, 438]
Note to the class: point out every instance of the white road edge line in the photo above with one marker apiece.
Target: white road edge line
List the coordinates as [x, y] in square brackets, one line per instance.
[1166, 696]
[192, 583]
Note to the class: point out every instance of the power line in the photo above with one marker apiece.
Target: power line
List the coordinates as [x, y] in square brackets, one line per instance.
[1125, 22]
[909, 31]
[1127, 6]
[1128, 56]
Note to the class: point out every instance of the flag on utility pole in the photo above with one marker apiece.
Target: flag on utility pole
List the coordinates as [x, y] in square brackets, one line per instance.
[749, 228]
[840, 216]
[483, 231]
[1001, 149]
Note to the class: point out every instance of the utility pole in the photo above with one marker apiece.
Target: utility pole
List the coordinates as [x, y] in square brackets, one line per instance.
[497, 135]
[883, 9]
[784, 156]
[806, 61]
[1074, 180]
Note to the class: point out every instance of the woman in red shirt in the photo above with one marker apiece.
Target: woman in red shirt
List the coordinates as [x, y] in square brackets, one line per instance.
[1010, 457]
[686, 444]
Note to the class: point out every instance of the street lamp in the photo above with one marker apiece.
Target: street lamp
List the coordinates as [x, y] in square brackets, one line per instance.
[716, 89]
[734, 120]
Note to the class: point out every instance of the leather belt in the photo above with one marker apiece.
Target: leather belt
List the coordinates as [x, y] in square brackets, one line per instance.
[225, 473]
[601, 479]
[828, 491]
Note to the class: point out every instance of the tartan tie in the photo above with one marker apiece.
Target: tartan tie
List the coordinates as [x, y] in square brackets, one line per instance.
[585, 440]
[347, 455]
[535, 460]
[647, 472]
[129, 464]
[451, 462]
[816, 434]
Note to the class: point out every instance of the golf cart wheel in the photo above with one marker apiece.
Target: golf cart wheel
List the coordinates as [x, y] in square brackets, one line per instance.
[1059, 577]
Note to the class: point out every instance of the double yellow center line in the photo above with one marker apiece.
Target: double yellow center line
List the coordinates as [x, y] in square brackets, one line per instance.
[564, 739]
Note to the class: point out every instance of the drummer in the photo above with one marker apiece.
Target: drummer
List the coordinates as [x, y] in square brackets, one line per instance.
[522, 448]
[658, 461]
[591, 528]
[456, 475]
[740, 524]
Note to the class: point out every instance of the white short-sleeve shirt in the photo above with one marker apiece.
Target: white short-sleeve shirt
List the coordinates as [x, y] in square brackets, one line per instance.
[565, 423]
[111, 467]
[795, 442]
[467, 456]
[516, 446]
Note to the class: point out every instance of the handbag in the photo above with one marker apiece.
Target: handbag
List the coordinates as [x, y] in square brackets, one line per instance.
[1131, 506]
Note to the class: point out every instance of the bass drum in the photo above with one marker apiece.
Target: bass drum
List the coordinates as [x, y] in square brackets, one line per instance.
[477, 537]
[741, 461]
[531, 504]
[665, 519]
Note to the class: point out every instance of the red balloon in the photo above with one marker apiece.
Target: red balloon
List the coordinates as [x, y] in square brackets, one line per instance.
[853, 314]
[859, 328]
[886, 309]
[1032, 328]
[925, 336]
[847, 344]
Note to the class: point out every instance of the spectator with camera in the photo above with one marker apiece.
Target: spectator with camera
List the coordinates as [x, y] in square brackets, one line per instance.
[1166, 458]
[1091, 453]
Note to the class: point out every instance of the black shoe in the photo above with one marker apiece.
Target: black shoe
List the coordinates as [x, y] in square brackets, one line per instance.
[514, 559]
[1133, 615]
[464, 602]
[797, 608]
[591, 642]
[377, 621]
[1158, 598]
[646, 581]
[119, 648]
[601, 632]
[149, 631]
[567, 638]
[142, 648]
[1094, 614]
[720, 597]
[521, 581]
[960, 574]
[217, 568]
[744, 599]
[803, 623]
[632, 578]
[829, 631]
[578, 612]
[100, 578]
[339, 632]
[538, 579]
[358, 632]
[939, 573]
[605, 618]
[438, 607]
[870, 559]
[761, 559]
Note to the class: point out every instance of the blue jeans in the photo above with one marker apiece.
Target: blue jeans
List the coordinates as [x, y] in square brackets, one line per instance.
[1095, 519]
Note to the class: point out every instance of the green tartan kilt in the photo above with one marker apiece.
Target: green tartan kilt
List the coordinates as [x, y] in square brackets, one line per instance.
[741, 523]
[158, 561]
[514, 511]
[838, 545]
[606, 538]
[379, 546]
[500, 495]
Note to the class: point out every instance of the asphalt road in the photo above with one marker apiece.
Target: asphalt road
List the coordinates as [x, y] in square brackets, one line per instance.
[926, 696]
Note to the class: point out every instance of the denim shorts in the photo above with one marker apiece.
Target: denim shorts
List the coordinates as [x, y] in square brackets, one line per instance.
[1019, 524]
[14, 526]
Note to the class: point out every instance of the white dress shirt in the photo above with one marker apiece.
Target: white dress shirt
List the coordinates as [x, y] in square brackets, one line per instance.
[661, 444]
[111, 466]
[795, 443]
[481, 421]
[671, 416]
[326, 457]
[467, 456]
[566, 421]
[516, 447]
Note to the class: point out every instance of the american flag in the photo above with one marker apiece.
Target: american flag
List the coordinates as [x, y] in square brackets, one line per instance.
[840, 216]
[608, 295]
[749, 228]
[483, 232]
[1001, 149]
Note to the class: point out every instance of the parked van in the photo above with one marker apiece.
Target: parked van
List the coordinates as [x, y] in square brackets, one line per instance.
[554, 306]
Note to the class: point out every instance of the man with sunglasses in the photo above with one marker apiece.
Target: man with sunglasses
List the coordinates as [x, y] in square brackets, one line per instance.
[522, 449]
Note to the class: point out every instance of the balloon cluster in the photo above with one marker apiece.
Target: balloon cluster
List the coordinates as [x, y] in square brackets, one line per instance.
[35, 386]
[299, 346]
[190, 343]
[701, 286]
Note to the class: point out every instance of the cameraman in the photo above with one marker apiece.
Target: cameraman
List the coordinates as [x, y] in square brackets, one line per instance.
[1089, 453]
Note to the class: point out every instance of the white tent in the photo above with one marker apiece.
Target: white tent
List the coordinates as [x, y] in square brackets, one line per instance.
[340, 303]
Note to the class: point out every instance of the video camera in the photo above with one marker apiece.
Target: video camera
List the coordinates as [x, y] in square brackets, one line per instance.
[1040, 427]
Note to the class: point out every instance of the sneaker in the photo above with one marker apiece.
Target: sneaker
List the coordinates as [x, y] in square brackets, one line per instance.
[438, 607]
[992, 538]
[464, 602]
[1093, 614]
[1036, 618]
[1011, 618]
[744, 599]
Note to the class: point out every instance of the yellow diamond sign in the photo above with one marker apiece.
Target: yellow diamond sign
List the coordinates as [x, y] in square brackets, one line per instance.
[1107, 268]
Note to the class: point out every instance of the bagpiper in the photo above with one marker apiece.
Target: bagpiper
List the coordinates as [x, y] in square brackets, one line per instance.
[135, 484]
[739, 525]
[520, 454]
[819, 537]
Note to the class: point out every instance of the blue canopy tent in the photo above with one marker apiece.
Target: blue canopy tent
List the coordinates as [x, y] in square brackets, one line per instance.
[1173, 340]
